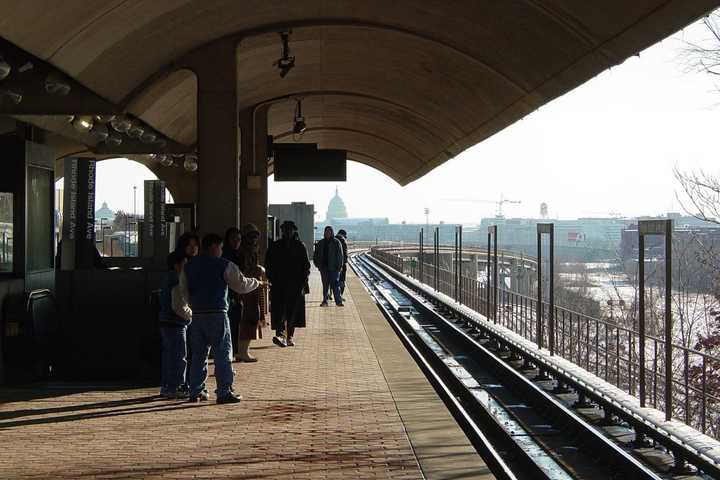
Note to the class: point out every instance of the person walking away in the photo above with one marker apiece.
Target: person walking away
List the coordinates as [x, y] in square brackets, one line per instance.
[253, 313]
[231, 251]
[205, 281]
[175, 316]
[342, 237]
[328, 258]
[288, 269]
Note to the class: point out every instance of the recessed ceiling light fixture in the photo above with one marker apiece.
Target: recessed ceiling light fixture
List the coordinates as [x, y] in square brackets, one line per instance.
[5, 68]
[57, 84]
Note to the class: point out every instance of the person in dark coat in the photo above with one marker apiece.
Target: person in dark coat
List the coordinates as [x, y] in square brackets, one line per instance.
[287, 268]
[328, 258]
[342, 237]
[248, 312]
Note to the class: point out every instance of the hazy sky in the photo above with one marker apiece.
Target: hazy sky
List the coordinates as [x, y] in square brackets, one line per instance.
[608, 146]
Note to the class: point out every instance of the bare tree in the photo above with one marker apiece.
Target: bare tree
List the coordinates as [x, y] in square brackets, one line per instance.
[704, 56]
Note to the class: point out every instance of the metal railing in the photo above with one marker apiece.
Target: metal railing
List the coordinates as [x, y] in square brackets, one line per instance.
[600, 346]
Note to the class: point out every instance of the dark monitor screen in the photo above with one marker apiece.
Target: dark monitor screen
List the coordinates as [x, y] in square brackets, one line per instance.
[293, 164]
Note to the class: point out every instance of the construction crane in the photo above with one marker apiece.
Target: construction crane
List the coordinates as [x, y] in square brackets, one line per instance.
[498, 203]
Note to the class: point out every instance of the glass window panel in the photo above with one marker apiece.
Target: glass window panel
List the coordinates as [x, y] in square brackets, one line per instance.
[6, 232]
[40, 219]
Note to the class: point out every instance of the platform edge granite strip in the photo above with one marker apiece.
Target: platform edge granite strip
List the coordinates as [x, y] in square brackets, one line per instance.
[440, 445]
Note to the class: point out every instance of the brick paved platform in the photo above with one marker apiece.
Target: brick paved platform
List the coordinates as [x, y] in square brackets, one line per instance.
[346, 402]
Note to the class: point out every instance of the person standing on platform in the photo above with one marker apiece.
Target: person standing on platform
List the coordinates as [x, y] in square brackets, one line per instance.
[205, 281]
[188, 245]
[175, 316]
[252, 313]
[288, 269]
[328, 258]
[342, 237]
[231, 251]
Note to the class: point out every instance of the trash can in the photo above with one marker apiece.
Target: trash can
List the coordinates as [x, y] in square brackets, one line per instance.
[29, 335]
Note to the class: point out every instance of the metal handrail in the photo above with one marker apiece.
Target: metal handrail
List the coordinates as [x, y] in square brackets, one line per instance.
[595, 338]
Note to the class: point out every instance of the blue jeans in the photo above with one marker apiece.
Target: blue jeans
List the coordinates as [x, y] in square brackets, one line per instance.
[331, 279]
[174, 353]
[211, 330]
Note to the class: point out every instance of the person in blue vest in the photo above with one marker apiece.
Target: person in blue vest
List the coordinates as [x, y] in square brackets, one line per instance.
[204, 282]
[175, 316]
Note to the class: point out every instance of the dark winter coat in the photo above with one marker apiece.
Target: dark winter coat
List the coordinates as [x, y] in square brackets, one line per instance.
[335, 257]
[245, 310]
[287, 268]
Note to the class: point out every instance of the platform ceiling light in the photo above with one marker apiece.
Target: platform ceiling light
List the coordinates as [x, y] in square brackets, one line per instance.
[286, 61]
[135, 131]
[99, 132]
[104, 118]
[114, 140]
[190, 163]
[5, 68]
[83, 123]
[148, 137]
[165, 160]
[121, 124]
[299, 121]
[14, 97]
[57, 84]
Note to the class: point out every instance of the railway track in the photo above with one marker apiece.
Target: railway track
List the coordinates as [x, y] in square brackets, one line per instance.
[519, 420]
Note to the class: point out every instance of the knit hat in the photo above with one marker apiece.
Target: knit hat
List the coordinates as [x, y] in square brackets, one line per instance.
[249, 228]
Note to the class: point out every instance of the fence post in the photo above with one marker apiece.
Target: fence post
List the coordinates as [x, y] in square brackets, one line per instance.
[460, 263]
[668, 319]
[487, 279]
[641, 314]
[421, 258]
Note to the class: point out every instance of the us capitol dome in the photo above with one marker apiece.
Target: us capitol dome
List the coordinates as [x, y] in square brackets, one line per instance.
[336, 208]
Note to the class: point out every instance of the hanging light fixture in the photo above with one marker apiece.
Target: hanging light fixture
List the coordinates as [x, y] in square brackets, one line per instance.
[286, 61]
[57, 84]
[165, 160]
[99, 132]
[114, 140]
[104, 118]
[5, 68]
[299, 121]
[14, 97]
[83, 123]
[121, 124]
[190, 163]
[148, 137]
[135, 131]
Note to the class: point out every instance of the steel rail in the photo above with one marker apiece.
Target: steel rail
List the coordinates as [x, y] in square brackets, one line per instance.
[589, 437]
[642, 426]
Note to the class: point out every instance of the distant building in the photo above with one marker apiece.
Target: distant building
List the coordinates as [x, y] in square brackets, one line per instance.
[303, 215]
[104, 215]
[336, 208]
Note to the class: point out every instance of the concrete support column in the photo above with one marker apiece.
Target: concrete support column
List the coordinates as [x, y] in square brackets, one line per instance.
[218, 200]
[253, 171]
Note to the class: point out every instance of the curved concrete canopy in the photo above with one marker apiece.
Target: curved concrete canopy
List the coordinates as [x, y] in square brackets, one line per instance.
[402, 85]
